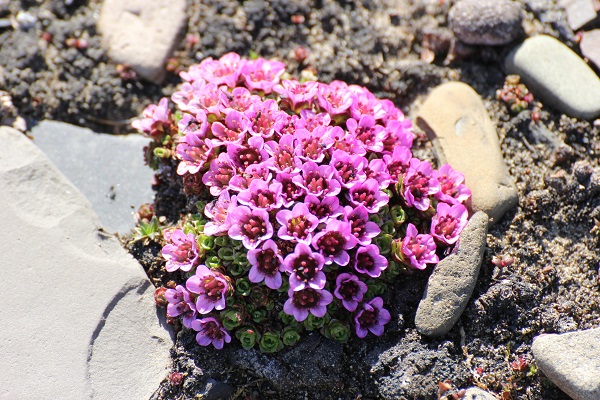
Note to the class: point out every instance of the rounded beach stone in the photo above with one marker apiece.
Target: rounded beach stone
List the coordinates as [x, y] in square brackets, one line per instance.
[571, 361]
[463, 135]
[557, 75]
[486, 22]
[452, 282]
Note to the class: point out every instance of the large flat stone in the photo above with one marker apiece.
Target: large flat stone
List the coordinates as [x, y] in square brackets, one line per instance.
[452, 282]
[108, 169]
[571, 361]
[456, 121]
[557, 75]
[79, 320]
[579, 12]
[142, 33]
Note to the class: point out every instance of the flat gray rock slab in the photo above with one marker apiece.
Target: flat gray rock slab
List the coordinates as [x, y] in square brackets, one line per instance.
[108, 169]
[452, 282]
[475, 393]
[571, 361]
[486, 22]
[463, 135]
[590, 46]
[80, 321]
[557, 75]
[142, 33]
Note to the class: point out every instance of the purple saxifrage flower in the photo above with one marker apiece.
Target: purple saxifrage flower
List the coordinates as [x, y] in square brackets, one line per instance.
[398, 162]
[318, 180]
[306, 301]
[368, 261]
[324, 209]
[283, 158]
[452, 188]
[210, 331]
[297, 225]
[266, 264]
[181, 252]
[334, 242]
[419, 249]
[350, 290]
[369, 195]
[419, 184]
[296, 93]
[262, 195]
[360, 226]
[156, 119]
[219, 174]
[194, 153]
[349, 168]
[233, 131]
[211, 288]
[262, 74]
[250, 226]
[367, 132]
[219, 212]
[181, 304]
[371, 317]
[448, 222]
[305, 268]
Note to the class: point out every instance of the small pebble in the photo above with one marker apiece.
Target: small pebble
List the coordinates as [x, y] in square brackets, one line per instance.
[579, 12]
[486, 22]
[590, 46]
[557, 75]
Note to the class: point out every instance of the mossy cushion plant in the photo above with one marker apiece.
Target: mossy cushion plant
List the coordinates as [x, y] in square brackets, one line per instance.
[309, 204]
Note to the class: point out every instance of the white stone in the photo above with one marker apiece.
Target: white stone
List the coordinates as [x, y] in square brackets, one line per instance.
[142, 33]
[79, 321]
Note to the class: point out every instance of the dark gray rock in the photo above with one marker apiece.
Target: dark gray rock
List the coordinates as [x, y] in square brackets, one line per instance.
[108, 169]
[571, 361]
[486, 22]
[215, 390]
[453, 280]
[413, 368]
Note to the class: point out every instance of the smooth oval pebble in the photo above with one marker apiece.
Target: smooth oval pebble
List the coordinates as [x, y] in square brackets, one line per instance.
[463, 135]
[557, 75]
[486, 22]
[571, 361]
[452, 282]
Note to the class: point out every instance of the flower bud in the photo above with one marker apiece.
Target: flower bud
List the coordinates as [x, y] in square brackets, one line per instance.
[161, 152]
[396, 249]
[398, 215]
[159, 297]
[243, 286]
[247, 337]
[231, 319]
[290, 336]
[259, 315]
[337, 330]
[384, 242]
[270, 343]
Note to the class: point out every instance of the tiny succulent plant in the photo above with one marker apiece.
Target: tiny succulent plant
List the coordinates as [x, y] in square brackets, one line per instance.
[309, 203]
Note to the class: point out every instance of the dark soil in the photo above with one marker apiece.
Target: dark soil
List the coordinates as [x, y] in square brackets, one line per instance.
[553, 234]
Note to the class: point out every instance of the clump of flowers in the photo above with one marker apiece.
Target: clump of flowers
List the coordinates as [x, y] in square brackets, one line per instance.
[309, 203]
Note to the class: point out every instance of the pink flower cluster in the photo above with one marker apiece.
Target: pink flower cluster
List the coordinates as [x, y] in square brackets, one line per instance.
[302, 166]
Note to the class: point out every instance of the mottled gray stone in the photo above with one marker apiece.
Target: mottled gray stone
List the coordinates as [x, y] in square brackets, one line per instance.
[590, 46]
[557, 75]
[571, 361]
[486, 22]
[142, 33]
[579, 12]
[108, 169]
[452, 282]
[463, 135]
[80, 321]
